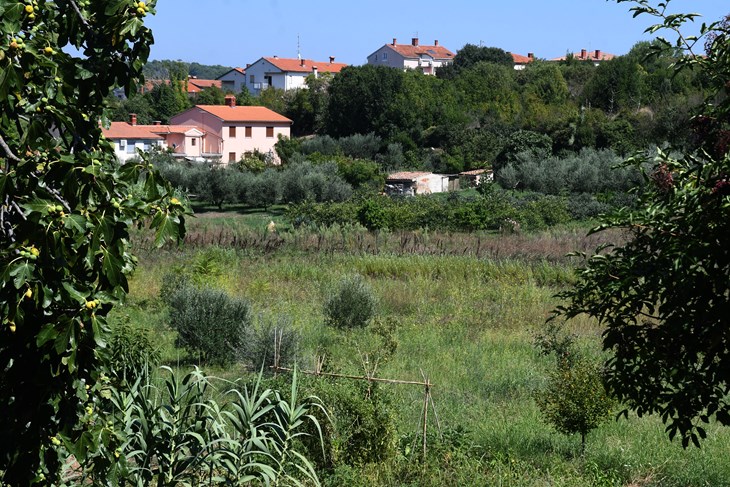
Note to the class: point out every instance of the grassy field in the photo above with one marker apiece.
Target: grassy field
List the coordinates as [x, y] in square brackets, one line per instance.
[464, 318]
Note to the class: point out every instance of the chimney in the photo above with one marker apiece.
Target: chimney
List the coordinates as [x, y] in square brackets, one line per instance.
[248, 65]
[598, 54]
[436, 42]
[582, 53]
[332, 59]
[132, 119]
[531, 55]
[414, 41]
[314, 71]
[156, 122]
[394, 41]
[301, 62]
[230, 101]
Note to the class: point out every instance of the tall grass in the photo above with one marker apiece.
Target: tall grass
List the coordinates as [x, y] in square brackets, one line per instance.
[467, 322]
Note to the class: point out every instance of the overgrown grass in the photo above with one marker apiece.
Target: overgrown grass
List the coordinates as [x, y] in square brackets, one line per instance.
[467, 323]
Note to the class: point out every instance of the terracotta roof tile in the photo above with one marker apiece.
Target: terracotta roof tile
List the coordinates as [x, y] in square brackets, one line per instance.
[123, 130]
[305, 65]
[243, 113]
[411, 51]
[520, 59]
[476, 172]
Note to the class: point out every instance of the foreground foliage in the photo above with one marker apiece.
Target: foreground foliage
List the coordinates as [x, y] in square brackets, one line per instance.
[67, 207]
[664, 297]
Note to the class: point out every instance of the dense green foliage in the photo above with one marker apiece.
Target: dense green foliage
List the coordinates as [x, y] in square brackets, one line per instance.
[210, 324]
[663, 296]
[67, 210]
[351, 304]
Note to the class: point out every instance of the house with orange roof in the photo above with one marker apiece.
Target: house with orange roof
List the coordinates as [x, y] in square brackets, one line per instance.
[596, 56]
[286, 73]
[520, 61]
[424, 58]
[231, 131]
[233, 81]
[192, 85]
[183, 141]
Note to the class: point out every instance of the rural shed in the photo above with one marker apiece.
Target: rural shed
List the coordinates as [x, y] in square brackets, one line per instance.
[410, 183]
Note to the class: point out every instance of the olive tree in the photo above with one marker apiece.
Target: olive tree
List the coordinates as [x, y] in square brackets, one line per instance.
[67, 207]
[664, 296]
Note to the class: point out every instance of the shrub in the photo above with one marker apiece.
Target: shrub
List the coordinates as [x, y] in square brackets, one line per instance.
[351, 305]
[209, 322]
[575, 399]
[267, 337]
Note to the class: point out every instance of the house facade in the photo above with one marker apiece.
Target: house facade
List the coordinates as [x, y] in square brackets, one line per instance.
[285, 73]
[411, 183]
[424, 58]
[233, 81]
[128, 137]
[181, 140]
[231, 131]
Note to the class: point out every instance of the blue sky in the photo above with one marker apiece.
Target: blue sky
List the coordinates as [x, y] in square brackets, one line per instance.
[237, 32]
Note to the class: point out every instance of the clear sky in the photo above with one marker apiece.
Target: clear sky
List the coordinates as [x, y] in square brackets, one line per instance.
[237, 32]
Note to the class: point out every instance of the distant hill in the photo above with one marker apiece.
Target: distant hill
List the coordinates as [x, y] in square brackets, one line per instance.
[165, 68]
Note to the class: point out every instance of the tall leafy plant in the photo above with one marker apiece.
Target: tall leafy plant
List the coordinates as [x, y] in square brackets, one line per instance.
[67, 206]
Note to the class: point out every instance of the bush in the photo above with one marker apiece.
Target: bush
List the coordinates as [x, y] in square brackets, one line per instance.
[351, 305]
[262, 338]
[209, 322]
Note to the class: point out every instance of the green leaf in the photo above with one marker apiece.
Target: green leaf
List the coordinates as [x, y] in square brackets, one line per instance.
[112, 267]
[22, 271]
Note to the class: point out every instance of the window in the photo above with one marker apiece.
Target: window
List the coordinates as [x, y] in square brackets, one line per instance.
[122, 143]
[193, 142]
[231, 157]
[385, 56]
[269, 131]
[147, 146]
[248, 132]
[251, 79]
[232, 132]
[131, 146]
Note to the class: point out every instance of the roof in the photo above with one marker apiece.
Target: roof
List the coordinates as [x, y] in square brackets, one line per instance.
[294, 65]
[237, 70]
[411, 51]
[475, 172]
[124, 130]
[520, 59]
[196, 85]
[243, 113]
[407, 175]
[172, 129]
[586, 55]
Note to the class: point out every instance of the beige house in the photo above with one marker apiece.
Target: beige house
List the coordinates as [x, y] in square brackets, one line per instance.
[596, 56]
[424, 58]
[231, 131]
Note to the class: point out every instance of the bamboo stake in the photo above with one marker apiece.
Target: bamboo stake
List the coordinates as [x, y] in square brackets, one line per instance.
[356, 377]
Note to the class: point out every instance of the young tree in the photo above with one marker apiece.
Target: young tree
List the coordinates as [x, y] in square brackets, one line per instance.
[67, 207]
[664, 296]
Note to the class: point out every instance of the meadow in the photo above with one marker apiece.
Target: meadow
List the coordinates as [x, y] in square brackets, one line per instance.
[462, 310]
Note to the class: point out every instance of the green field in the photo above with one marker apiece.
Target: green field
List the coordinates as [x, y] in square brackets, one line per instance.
[464, 318]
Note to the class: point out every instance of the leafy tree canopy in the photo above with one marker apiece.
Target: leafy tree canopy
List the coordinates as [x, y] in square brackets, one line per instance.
[67, 208]
[664, 297]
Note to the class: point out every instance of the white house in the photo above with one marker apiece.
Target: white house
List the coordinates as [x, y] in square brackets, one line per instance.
[286, 74]
[233, 81]
[411, 183]
[127, 137]
[426, 59]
